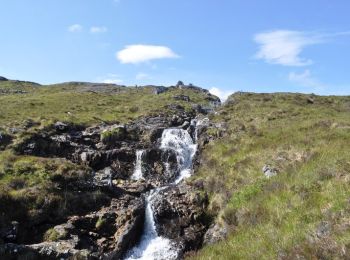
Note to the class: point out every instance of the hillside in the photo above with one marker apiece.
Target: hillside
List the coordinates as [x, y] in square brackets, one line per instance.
[86, 167]
[278, 178]
[67, 157]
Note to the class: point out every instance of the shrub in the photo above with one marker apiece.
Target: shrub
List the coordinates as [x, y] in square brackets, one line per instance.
[133, 109]
[52, 235]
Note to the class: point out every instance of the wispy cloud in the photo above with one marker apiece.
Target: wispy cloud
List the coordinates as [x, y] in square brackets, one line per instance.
[98, 29]
[142, 53]
[222, 94]
[306, 79]
[284, 47]
[75, 28]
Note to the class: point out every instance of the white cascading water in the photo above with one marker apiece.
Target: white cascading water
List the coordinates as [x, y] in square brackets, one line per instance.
[181, 142]
[152, 246]
[137, 175]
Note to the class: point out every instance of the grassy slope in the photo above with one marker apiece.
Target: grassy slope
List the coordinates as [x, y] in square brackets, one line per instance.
[50, 103]
[308, 144]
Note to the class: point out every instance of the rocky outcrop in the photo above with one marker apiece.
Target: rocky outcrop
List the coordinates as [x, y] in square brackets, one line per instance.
[179, 214]
[114, 224]
[107, 234]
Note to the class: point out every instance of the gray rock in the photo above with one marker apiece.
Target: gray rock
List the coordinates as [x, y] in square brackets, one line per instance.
[60, 126]
[269, 171]
[215, 234]
[179, 214]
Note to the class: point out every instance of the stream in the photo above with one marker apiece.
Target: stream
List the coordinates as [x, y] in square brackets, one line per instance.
[151, 245]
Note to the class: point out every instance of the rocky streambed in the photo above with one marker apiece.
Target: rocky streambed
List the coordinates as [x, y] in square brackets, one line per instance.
[148, 211]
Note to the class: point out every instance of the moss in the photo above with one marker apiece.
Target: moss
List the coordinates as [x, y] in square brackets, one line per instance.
[100, 223]
[111, 136]
[52, 235]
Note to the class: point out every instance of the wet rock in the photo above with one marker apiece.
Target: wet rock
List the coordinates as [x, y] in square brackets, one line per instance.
[159, 166]
[179, 214]
[134, 188]
[185, 125]
[103, 178]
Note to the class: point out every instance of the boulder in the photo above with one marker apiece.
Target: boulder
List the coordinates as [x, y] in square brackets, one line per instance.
[269, 171]
[217, 232]
[179, 214]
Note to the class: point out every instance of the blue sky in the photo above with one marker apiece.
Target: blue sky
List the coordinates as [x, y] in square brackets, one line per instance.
[222, 45]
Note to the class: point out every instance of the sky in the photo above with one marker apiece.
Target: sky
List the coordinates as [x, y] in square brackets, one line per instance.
[221, 45]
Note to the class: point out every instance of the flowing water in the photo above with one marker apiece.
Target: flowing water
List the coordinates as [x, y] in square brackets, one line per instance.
[151, 245]
[181, 142]
[137, 175]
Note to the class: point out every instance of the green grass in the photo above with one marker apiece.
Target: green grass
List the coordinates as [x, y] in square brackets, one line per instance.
[68, 102]
[275, 217]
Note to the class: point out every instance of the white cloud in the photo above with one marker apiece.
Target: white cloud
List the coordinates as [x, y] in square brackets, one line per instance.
[284, 47]
[222, 94]
[142, 53]
[142, 76]
[112, 81]
[98, 29]
[306, 79]
[75, 28]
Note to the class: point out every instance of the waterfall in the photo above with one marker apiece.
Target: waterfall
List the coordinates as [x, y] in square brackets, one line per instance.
[181, 142]
[151, 245]
[137, 175]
